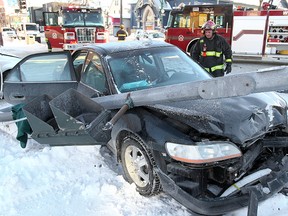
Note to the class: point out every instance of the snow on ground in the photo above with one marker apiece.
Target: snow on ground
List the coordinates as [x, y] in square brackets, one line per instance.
[78, 180]
[22, 48]
[73, 181]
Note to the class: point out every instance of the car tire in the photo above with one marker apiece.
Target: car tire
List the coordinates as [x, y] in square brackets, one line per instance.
[138, 167]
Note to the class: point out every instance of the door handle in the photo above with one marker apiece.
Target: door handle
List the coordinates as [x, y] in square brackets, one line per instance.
[18, 97]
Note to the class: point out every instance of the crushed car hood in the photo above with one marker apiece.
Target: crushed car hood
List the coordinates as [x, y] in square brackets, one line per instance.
[238, 118]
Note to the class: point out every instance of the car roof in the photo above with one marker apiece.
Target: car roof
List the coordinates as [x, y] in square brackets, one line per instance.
[116, 47]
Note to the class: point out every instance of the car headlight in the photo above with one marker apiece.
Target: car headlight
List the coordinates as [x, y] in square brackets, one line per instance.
[203, 152]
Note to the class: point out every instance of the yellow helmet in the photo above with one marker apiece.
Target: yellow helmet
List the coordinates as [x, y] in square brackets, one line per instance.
[121, 26]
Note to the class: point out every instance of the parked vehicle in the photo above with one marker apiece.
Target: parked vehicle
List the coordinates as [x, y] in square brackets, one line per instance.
[71, 27]
[7, 62]
[140, 34]
[144, 101]
[25, 30]
[8, 32]
[250, 33]
[153, 35]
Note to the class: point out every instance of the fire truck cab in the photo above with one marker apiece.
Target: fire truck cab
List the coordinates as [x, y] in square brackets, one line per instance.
[259, 33]
[74, 26]
[185, 22]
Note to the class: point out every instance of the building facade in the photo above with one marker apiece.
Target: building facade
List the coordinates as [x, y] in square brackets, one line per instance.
[113, 14]
[2, 14]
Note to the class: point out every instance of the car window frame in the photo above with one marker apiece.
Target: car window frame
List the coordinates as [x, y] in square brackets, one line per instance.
[16, 68]
[88, 60]
[16, 91]
[78, 71]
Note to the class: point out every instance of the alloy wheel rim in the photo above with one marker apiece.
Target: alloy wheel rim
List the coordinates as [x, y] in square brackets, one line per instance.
[137, 166]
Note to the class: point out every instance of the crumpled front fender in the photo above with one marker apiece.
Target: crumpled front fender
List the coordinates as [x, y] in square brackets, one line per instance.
[270, 185]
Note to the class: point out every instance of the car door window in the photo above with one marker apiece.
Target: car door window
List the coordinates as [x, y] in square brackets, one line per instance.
[42, 69]
[38, 74]
[93, 74]
[78, 62]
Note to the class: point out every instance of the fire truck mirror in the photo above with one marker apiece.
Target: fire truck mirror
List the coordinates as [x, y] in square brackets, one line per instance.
[60, 21]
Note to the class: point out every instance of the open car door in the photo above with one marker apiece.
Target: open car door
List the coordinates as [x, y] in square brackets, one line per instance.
[56, 112]
[39, 74]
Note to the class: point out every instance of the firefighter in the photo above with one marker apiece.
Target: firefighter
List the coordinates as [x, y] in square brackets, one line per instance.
[209, 51]
[121, 33]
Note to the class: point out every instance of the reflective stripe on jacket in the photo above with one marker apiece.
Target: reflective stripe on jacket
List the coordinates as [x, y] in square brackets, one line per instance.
[214, 68]
[210, 54]
[121, 34]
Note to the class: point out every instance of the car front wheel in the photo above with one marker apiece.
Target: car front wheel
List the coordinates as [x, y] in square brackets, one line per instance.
[138, 165]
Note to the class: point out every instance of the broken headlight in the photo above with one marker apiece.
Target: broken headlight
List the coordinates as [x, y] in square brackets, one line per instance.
[203, 152]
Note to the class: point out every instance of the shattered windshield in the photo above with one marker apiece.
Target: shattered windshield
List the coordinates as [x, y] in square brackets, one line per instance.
[88, 18]
[156, 67]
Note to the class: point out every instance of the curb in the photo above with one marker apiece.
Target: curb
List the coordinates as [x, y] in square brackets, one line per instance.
[273, 59]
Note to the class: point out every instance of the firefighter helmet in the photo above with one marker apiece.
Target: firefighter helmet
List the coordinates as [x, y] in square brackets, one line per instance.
[209, 25]
[121, 26]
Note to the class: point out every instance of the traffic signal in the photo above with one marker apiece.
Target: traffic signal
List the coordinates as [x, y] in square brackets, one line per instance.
[22, 4]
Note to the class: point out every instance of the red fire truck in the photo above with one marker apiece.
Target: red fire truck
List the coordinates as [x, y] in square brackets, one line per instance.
[249, 32]
[74, 26]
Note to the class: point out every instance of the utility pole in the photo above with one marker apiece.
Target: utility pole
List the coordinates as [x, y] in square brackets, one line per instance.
[121, 12]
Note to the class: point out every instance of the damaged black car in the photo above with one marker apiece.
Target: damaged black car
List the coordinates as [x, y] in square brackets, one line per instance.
[213, 144]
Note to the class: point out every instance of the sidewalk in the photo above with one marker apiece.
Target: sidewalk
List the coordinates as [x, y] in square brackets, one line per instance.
[21, 48]
[268, 59]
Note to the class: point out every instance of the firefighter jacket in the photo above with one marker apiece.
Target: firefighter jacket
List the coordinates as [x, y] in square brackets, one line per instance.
[210, 54]
[121, 34]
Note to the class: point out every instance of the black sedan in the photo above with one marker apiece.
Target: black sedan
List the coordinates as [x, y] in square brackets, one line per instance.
[141, 100]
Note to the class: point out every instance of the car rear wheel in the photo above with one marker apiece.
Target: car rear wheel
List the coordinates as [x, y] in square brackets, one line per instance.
[138, 165]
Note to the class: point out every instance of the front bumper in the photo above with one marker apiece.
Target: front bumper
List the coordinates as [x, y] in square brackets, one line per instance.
[270, 185]
[73, 46]
[79, 45]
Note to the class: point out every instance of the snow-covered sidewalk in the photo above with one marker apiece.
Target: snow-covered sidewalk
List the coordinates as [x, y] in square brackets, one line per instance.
[22, 48]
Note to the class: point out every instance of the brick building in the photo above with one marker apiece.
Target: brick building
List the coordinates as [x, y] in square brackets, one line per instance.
[2, 14]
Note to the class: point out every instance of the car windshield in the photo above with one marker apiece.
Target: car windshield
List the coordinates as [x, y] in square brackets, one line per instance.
[155, 67]
[83, 19]
[7, 29]
[31, 27]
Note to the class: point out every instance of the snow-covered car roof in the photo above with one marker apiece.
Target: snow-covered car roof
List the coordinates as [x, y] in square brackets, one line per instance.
[8, 61]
